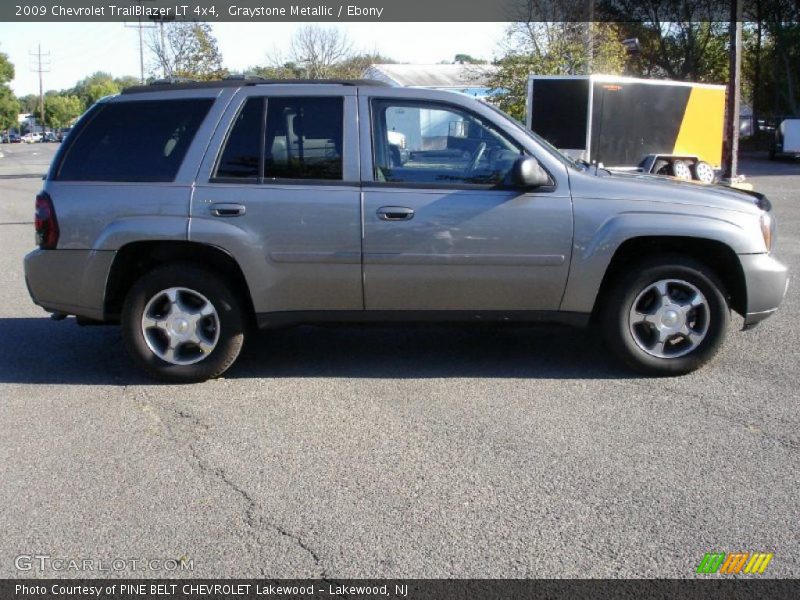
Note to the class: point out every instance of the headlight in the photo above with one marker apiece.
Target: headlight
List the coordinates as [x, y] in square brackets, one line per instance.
[766, 230]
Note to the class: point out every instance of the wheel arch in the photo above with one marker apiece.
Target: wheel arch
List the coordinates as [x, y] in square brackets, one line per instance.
[717, 256]
[136, 258]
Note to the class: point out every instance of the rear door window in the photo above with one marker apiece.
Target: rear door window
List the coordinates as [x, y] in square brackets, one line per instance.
[133, 141]
[241, 155]
[304, 138]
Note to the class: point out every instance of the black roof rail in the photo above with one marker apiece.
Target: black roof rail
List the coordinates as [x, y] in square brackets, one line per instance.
[165, 85]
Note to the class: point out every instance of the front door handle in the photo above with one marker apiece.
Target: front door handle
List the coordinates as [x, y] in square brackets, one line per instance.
[228, 210]
[395, 213]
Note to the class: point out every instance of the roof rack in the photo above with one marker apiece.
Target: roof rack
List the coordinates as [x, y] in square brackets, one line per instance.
[237, 81]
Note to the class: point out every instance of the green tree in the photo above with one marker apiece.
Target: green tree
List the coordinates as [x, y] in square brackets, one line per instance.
[353, 67]
[29, 103]
[686, 51]
[319, 53]
[95, 86]
[553, 48]
[680, 39]
[782, 56]
[186, 50]
[289, 70]
[466, 59]
[9, 105]
[314, 52]
[126, 81]
[60, 110]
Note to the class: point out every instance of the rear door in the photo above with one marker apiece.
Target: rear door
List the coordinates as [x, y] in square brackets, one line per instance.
[279, 189]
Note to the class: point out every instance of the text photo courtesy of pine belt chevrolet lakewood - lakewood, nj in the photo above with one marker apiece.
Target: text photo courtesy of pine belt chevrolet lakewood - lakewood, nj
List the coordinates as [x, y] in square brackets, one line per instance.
[418, 300]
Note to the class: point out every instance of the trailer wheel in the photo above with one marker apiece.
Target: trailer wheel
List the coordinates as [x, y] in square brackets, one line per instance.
[680, 169]
[703, 172]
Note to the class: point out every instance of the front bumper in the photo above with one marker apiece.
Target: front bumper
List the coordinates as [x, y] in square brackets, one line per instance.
[72, 282]
[767, 280]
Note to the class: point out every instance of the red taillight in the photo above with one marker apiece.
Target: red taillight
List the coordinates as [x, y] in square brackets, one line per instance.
[46, 223]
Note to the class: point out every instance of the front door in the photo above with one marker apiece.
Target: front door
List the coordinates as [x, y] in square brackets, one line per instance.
[443, 227]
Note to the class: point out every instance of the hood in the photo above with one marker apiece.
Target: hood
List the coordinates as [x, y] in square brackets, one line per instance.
[619, 185]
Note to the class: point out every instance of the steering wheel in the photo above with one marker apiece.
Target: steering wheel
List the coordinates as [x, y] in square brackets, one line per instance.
[475, 159]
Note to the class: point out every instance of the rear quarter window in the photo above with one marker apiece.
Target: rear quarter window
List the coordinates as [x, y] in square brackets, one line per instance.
[133, 141]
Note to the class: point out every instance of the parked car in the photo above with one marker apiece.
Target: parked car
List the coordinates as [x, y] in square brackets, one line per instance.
[62, 133]
[188, 212]
[13, 138]
[32, 138]
[50, 137]
[786, 139]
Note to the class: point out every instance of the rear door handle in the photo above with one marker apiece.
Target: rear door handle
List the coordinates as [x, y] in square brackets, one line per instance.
[228, 210]
[395, 213]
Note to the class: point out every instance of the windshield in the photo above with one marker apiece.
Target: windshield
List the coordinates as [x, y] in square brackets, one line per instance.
[567, 160]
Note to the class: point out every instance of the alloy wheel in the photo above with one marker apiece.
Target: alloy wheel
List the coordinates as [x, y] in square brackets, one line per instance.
[669, 318]
[180, 326]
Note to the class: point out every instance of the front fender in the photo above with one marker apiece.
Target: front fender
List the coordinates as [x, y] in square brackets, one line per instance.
[595, 245]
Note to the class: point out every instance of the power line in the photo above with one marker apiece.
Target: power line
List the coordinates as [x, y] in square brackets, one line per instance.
[41, 67]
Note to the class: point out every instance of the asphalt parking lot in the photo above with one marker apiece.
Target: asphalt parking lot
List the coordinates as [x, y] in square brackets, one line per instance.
[395, 451]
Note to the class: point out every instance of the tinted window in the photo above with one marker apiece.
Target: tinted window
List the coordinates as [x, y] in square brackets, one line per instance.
[303, 138]
[437, 144]
[242, 153]
[133, 141]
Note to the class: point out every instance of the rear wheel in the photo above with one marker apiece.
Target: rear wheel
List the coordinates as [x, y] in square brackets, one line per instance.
[182, 323]
[666, 316]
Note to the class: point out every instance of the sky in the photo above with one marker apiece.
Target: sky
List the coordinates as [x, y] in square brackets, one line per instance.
[79, 49]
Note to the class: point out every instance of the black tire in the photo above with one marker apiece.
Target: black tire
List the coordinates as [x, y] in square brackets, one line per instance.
[231, 322]
[619, 299]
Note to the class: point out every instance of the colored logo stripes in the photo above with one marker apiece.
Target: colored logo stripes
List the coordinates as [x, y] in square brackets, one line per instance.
[734, 562]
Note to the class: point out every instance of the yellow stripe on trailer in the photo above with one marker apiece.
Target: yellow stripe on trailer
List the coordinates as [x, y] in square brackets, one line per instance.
[701, 129]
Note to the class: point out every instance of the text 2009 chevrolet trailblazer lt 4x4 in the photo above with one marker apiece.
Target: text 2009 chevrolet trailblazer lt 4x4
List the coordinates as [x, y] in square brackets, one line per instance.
[189, 212]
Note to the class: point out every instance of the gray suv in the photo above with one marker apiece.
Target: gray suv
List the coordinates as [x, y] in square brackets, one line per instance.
[191, 212]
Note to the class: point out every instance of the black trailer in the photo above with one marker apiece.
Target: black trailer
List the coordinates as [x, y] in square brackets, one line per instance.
[650, 125]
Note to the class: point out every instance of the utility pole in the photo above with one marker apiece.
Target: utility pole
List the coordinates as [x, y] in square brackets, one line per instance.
[730, 160]
[163, 47]
[40, 68]
[140, 26]
[158, 21]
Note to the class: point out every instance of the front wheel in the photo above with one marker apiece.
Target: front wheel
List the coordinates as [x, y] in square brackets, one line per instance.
[181, 323]
[666, 316]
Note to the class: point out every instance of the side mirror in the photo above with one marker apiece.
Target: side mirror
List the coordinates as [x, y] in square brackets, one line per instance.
[527, 173]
